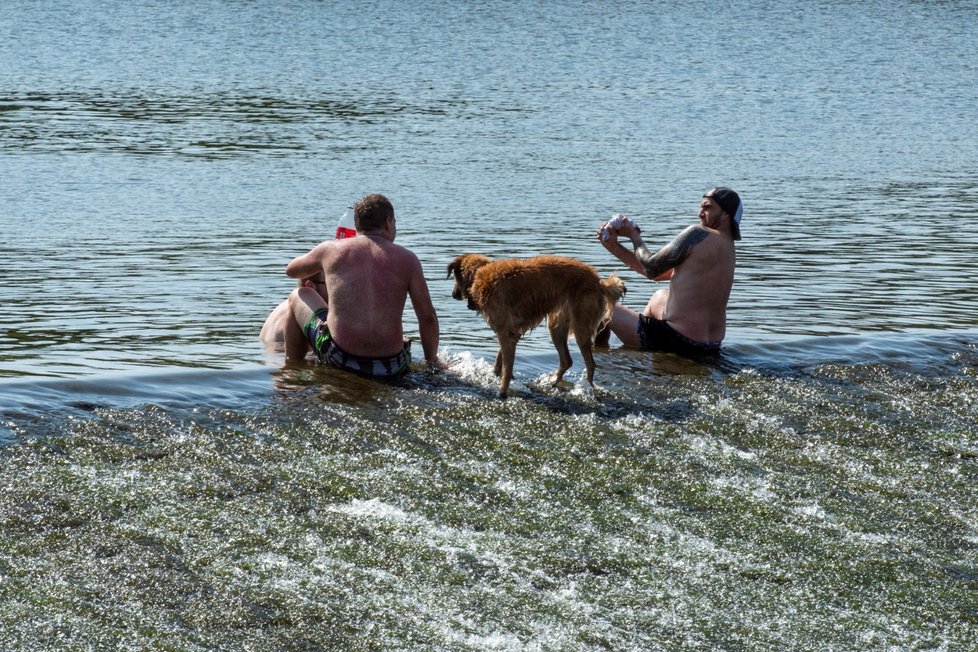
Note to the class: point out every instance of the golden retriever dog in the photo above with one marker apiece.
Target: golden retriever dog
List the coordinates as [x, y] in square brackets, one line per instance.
[514, 296]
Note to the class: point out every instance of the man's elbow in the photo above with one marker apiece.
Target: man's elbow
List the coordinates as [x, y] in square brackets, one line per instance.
[428, 322]
[654, 272]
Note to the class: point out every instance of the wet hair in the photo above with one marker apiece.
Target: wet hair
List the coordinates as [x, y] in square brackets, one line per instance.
[371, 212]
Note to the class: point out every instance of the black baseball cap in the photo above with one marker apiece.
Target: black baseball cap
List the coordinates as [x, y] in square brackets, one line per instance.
[730, 202]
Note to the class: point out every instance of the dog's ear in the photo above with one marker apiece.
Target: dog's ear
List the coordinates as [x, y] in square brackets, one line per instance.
[452, 266]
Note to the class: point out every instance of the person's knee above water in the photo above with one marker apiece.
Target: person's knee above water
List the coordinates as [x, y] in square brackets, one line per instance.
[367, 281]
[690, 316]
[272, 333]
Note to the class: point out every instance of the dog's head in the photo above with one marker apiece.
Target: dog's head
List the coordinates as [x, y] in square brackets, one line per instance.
[463, 268]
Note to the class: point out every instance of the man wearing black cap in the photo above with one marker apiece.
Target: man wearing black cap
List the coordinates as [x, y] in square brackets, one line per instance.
[690, 317]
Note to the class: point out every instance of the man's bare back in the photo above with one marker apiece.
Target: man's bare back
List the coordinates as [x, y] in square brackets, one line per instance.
[367, 282]
[695, 304]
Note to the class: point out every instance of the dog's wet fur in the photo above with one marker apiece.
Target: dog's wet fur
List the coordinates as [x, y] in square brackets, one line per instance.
[515, 296]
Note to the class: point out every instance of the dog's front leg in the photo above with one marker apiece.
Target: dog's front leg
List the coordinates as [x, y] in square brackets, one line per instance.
[497, 368]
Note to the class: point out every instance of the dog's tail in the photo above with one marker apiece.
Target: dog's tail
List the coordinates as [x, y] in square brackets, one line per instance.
[614, 290]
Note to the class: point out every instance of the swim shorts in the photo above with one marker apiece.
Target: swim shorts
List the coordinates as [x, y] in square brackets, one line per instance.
[657, 335]
[329, 352]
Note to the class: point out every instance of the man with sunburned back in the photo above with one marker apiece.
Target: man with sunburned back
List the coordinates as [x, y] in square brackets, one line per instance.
[358, 325]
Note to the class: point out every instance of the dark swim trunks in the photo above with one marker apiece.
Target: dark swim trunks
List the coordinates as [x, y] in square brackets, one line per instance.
[329, 352]
[657, 335]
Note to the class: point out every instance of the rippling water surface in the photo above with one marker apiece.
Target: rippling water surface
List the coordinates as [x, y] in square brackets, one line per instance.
[167, 485]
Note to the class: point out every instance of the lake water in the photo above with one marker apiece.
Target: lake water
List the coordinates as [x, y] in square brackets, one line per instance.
[167, 485]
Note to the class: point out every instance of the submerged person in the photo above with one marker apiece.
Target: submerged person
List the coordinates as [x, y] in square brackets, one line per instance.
[690, 316]
[356, 322]
[272, 333]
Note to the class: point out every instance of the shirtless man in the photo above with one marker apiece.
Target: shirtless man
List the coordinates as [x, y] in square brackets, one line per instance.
[690, 317]
[358, 325]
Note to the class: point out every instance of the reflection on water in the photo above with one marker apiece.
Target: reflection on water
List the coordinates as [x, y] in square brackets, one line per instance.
[210, 126]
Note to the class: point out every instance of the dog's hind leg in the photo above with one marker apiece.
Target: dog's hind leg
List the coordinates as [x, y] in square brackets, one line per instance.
[505, 359]
[559, 328]
[603, 338]
[586, 345]
[584, 325]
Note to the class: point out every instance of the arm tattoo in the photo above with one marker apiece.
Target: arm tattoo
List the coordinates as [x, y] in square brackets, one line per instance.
[673, 253]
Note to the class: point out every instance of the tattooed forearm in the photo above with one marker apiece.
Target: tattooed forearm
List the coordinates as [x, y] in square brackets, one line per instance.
[672, 254]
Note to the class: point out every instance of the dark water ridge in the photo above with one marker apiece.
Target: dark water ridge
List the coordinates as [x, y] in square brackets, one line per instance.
[200, 123]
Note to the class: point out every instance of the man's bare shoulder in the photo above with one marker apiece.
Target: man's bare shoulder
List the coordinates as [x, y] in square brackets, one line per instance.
[328, 244]
[382, 259]
[686, 243]
[697, 247]
[697, 234]
[326, 247]
[405, 255]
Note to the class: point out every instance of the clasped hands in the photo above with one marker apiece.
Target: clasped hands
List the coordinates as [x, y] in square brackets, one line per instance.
[618, 225]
